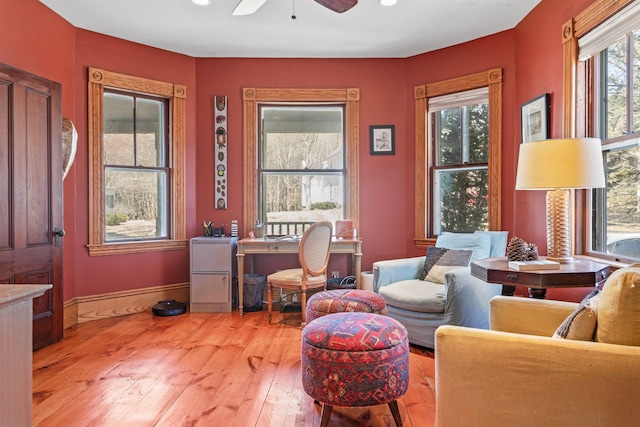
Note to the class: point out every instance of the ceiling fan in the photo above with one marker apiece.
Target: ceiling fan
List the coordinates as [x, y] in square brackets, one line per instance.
[247, 7]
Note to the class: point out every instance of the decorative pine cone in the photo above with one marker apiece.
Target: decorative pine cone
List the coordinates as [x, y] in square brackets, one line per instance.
[519, 250]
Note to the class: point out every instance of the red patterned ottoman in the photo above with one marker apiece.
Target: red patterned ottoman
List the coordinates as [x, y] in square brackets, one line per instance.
[343, 300]
[355, 359]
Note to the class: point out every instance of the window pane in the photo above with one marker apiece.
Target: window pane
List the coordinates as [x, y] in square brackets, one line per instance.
[622, 219]
[461, 200]
[478, 125]
[636, 80]
[136, 204]
[149, 133]
[449, 137]
[303, 198]
[118, 130]
[615, 103]
[302, 137]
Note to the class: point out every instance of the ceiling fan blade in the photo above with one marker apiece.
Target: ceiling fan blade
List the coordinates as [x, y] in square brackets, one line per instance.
[247, 7]
[338, 5]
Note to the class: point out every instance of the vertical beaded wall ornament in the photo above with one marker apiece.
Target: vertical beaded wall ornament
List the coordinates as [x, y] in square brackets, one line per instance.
[220, 150]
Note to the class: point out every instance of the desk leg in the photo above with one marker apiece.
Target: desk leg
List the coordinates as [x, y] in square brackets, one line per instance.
[240, 257]
[357, 263]
[508, 290]
[537, 293]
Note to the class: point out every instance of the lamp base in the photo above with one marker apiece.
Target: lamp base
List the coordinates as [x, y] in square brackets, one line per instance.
[568, 260]
[559, 226]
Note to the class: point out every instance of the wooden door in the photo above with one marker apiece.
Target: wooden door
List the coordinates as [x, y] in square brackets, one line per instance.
[31, 193]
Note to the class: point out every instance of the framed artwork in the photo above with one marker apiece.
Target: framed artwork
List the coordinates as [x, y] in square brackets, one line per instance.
[382, 139]
[535, 119]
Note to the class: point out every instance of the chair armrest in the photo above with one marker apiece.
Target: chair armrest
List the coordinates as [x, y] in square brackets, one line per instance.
[468, 298]
[491, 378]
[395, 270]
[529, 316]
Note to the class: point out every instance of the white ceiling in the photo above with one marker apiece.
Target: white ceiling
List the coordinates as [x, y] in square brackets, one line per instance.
[366, 31]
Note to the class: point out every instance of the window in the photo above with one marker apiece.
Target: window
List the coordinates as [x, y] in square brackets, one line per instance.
[459, 135]
[136, 151]
[458, 150]
[608, 93]
[301, 168]
[136, 172]
[300, 157]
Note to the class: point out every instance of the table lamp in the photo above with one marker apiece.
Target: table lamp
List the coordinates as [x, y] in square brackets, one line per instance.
[558, 165]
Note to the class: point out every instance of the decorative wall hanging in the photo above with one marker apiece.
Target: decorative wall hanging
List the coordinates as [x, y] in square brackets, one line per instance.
[382, 139]
[535, 119]
[69, 145]
[220, 150]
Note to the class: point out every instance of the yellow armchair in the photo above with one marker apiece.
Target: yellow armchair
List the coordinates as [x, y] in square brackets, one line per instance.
[517, 375]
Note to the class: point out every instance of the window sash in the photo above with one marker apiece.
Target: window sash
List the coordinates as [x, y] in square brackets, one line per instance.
[605, 34]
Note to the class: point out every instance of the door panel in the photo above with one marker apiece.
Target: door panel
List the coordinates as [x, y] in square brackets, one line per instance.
[31, 193]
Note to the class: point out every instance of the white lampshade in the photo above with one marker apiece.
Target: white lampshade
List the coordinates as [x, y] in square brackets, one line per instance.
[560, 163]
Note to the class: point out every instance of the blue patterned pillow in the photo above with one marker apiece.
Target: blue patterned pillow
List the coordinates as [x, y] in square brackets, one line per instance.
[441, 260]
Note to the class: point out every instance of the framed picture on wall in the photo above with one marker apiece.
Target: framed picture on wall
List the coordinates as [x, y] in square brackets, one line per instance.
[382, 139]
[535, 119]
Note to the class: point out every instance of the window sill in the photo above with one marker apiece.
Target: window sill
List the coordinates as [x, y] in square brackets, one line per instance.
[136, 247]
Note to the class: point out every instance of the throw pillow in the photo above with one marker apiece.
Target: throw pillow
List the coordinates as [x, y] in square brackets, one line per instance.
[581, 324]
[619, 309]
[479, 243]
[498, 242]
[441, 260]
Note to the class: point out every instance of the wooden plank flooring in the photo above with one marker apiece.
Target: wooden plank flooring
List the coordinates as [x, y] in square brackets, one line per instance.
[197, 369]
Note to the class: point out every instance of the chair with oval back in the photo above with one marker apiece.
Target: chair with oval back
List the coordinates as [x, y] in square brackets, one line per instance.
[313, 255]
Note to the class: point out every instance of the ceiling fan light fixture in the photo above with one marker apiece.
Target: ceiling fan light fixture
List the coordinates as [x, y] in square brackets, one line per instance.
[200, 2]
[247, 7]
[388, 2]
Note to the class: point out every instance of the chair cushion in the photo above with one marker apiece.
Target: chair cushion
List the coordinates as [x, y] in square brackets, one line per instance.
[441, 260]
[293, 276]
[415, 295]
[479, 243]
[581, 324]
[619, 308]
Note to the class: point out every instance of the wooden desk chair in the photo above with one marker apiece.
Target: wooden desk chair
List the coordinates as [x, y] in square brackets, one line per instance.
[313, 255]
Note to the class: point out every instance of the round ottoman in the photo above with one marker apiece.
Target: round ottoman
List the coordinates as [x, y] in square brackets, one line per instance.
[355, 359]
[343, 300]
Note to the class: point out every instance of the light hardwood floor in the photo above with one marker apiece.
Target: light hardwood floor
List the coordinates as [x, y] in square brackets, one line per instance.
[197, 369]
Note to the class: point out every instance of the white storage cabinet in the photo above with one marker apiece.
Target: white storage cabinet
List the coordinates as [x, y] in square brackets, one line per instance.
[213, 273]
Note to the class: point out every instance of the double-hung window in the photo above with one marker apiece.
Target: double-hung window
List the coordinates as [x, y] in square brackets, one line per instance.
[136, 164]
[610, 57]
[459, 132]
[300, 157]
[458, 155]
[301, 167]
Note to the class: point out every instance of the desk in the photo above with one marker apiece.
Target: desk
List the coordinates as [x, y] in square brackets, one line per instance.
[271, 246]
[579, 274]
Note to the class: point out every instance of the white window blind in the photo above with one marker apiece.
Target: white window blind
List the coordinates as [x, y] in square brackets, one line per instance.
[619, 25]
[459, 99]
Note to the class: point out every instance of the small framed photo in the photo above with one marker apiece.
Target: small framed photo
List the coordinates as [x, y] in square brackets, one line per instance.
[535, 119]
[383, 139]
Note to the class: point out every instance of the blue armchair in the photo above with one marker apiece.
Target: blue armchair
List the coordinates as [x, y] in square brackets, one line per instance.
[422, 305]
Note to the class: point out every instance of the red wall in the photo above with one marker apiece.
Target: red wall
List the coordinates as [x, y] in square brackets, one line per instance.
[37, 40]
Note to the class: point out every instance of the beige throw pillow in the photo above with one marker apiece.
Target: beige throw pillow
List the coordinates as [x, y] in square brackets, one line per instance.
[581, 324]
[441, 260]
[619, 309]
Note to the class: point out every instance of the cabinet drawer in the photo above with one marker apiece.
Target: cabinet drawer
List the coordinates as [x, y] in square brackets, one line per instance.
[210, 257]
[210, 288]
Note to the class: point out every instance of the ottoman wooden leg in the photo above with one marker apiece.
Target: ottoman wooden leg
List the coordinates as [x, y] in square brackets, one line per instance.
[326, 413]
[395, 411]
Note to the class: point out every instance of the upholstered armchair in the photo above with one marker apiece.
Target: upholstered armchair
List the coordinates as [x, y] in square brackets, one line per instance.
[519, 374]
[457, 298]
